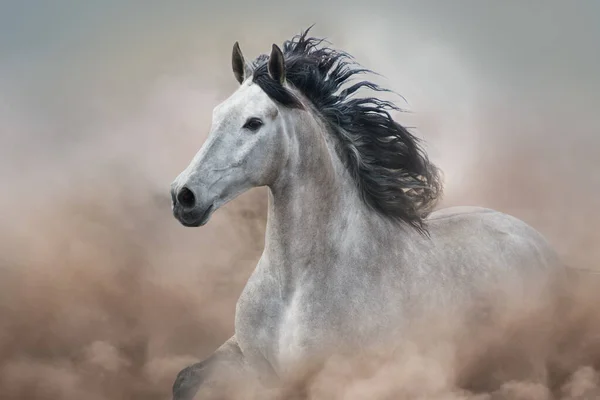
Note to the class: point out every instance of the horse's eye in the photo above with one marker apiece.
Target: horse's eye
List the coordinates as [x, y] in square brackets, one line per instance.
[253, 124]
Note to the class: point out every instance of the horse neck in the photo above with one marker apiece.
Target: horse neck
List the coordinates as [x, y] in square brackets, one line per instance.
[313, 204]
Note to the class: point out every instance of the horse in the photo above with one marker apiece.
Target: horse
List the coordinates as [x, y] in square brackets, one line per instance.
[354, 248]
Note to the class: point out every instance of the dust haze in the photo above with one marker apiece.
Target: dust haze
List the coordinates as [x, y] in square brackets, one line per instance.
[104, 295]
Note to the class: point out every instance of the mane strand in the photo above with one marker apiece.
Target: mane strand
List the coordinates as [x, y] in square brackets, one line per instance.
[390, 168]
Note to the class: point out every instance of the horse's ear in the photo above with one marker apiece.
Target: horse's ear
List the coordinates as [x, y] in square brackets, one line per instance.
[276, 65]
[241, 70]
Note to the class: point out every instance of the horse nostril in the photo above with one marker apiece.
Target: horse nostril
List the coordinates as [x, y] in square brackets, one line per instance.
[186, 197]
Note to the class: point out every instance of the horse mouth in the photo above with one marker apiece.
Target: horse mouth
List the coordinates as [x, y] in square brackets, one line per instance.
[194, 220]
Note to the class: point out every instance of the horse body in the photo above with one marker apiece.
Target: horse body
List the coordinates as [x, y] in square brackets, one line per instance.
[340, 270]
[358, 280]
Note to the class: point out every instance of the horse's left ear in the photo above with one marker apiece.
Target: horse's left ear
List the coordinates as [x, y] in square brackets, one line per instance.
[276, 65]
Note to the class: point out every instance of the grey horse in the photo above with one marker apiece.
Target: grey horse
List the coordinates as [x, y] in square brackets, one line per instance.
[353, 249]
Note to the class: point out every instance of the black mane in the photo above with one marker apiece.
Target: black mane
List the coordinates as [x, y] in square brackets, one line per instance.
[391, 170]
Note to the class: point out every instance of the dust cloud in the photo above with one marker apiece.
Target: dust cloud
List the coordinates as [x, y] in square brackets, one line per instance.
[103, 295]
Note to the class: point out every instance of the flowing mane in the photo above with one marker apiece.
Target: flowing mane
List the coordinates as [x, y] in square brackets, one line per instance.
[390, 169]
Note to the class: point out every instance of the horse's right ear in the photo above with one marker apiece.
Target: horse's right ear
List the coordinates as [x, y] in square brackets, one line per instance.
[276, 65]
[241, 70]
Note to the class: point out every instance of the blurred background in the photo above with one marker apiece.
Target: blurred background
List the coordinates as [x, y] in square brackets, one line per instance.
[104, 295]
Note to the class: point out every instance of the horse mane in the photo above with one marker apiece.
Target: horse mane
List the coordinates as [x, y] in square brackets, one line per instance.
[391, 170]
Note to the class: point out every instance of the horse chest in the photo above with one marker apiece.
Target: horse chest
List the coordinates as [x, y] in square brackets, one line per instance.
[276, 329]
